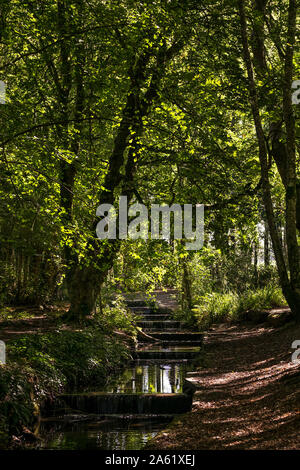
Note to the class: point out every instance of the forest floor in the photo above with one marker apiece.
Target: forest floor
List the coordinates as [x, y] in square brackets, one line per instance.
[247, 388]
[20, 321]
[16, 322]
[247, 396]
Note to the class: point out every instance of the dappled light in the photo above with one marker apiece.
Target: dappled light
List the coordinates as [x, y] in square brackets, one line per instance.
[149, 226]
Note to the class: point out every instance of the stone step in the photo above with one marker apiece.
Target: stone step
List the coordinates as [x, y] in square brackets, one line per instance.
[150, 311]
[156, 317]
[120, 403]
[177, 336]
[180, 342]
[160, 310]
[164, 355]
[159, 325]
[123, 419]
[142, 310]
[139, 303]
[147, 362]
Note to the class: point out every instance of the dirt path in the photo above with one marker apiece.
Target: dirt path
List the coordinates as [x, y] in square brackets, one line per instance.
[248, 396]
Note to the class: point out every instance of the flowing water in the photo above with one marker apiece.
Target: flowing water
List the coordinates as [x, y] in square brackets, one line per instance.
[105, 433]
[132, 408]
[150, 378]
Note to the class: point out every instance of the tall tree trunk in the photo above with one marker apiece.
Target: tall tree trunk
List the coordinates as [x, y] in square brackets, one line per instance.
[290, 286]
[291, 188]
[100, 254]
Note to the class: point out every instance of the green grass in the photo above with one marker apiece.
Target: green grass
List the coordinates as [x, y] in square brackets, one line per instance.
[221, 307]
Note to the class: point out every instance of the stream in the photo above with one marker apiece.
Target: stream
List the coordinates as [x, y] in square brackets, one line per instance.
[136, 404]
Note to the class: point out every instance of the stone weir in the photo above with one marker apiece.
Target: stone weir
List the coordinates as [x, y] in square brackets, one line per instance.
[166, 331]
[129, 403]
[153, 385]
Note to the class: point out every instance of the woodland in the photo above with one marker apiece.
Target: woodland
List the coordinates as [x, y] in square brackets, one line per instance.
[164, 102]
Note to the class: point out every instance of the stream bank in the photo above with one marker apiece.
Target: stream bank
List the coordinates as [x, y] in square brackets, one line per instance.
[247, 396]
[42, 364]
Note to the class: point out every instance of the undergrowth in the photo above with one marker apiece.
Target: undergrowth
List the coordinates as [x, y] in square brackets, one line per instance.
[220, 307]
[40, 366]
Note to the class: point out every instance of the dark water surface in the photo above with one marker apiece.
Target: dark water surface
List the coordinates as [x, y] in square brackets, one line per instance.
[106, 433]
[79, 430]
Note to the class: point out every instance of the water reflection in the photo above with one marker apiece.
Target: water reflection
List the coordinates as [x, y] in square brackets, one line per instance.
[150, 378]
[118, 432]
[108, 434]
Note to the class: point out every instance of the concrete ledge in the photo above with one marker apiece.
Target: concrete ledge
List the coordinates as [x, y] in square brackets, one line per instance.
[111, 403]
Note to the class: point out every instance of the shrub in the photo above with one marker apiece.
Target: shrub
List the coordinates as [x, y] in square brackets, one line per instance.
[80, 357]
[21, 389]
[115, 315]
[41, 366]
[268, 297]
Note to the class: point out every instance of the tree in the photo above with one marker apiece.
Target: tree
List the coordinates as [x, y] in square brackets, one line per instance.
[283, 149]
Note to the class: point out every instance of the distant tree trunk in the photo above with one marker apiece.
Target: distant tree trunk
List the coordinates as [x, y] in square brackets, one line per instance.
[285, 245]
[70, 108]
[255, 262]
[186, 286]
[100, 303]
[266, 246]
[221, 239]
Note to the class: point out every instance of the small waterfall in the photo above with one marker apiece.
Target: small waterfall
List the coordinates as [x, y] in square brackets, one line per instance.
[145, 396]
[122, 404]
[160, 325]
